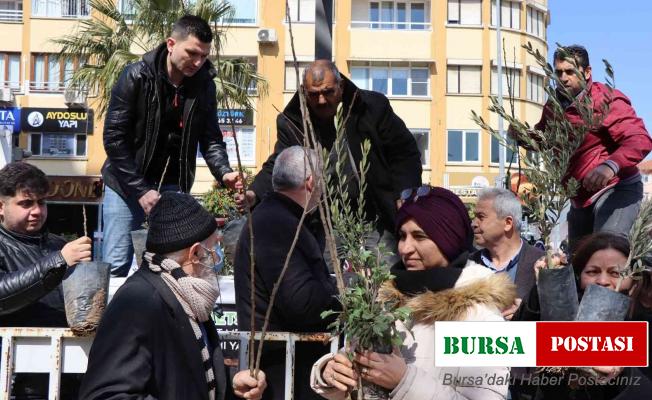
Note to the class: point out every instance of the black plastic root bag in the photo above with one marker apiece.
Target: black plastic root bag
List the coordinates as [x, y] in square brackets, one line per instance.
[85, 294]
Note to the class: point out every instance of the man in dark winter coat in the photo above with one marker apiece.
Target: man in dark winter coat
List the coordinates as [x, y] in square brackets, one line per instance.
[394, 158]
[306, 289]
[32, 263]
[161, 108]
[156, 339]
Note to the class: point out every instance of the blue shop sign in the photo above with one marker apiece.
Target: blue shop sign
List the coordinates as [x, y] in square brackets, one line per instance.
[10, 117]
[235, 117]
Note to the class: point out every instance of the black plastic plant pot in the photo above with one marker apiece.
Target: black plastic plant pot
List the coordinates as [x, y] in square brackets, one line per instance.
[138, 239]
[85, 293]
[602, 304]
[557, 294]
[371, 391]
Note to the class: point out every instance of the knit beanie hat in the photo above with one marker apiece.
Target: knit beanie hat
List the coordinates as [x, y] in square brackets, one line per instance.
[443, 217]
[176, 222]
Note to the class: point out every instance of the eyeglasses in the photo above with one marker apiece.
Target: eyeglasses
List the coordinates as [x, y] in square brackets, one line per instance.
[421, 191]
[215, 254]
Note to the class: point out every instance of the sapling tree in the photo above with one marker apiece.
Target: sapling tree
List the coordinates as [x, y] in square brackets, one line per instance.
[552, 149]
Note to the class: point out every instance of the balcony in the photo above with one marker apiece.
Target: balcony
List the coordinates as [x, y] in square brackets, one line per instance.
[390, 15]
[394, 25]
[46, 87]
[11, 15]
[61, 9]
[11, 11]
[15, 86]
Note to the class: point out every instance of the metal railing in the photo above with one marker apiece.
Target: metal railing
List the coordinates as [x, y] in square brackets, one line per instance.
[391, 25]
[57, 350]
[11, 15]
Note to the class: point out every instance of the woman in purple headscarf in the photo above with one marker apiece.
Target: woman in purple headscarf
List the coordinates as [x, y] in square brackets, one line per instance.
[437, 282]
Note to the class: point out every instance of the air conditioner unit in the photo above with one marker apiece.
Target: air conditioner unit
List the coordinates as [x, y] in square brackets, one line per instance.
[6, 95]
[267, 35]
[75, 97]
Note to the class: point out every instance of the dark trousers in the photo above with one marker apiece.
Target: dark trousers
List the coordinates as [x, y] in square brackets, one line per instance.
[614, 211]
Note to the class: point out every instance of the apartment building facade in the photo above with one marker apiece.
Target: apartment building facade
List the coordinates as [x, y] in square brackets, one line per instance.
[435, 61]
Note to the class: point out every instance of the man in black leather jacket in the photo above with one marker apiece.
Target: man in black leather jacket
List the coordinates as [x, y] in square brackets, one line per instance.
[32, 263]
[161, 109]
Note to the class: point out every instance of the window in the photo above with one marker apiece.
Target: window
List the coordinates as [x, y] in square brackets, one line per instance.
[535, 24]
[244, 12]
[127, 9]
[10, 70]
[399, 79]
[511, 79]
[535, 89]
[60, 8]
[465, 12]
[496, 148]
[463, 146]
[11, 10]
[51, 73]
[291, 77]
[422, 136]
[302, 10]
[399, 15]
[57, 145]
[510, 14]
[464, 79]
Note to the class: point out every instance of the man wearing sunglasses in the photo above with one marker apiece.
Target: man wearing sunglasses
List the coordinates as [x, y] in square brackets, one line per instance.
[394, 158]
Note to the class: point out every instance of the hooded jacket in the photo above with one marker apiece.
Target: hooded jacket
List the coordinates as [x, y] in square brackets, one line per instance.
[132, 125]
[394, 159]
[31, 270]
[621, 140]
[478, 295]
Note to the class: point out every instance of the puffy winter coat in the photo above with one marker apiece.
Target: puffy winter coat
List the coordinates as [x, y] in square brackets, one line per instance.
[478, 295]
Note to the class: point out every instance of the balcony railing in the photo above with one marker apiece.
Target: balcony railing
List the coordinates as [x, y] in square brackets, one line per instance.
[74, 8]
[61, 9]
[11, 15]
[15, 86]
[393, 25]
[46, 87]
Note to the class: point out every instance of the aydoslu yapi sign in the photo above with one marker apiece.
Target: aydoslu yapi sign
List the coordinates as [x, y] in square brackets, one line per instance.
[57, 120]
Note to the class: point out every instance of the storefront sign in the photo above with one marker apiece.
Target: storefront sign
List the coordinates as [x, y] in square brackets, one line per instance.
[235, 117]
[57, 120]
[75, 189]
[10, 119]
[246, 144]
[465, 191]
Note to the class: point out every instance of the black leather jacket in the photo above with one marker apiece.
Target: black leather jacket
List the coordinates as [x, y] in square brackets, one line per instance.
[132, 125]
[31, 270]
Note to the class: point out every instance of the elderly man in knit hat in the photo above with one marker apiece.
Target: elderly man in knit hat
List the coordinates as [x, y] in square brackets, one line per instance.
[156, 339]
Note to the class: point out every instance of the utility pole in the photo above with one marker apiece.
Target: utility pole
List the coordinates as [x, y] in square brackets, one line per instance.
[323, 29]
[499, 61]
[6, 146]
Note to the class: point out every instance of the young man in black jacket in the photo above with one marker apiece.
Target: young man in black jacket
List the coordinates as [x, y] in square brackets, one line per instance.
[161, 109]
[32, 262]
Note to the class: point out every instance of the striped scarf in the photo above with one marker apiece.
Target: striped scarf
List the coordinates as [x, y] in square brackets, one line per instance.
[196, 296]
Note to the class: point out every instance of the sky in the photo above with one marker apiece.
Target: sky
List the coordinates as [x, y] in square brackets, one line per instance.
[619, 31]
